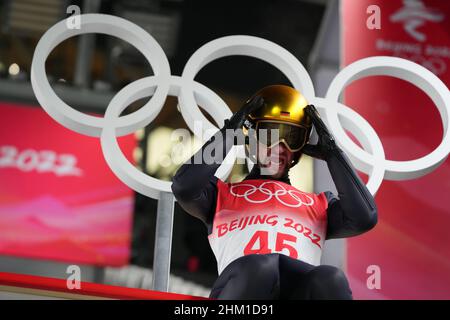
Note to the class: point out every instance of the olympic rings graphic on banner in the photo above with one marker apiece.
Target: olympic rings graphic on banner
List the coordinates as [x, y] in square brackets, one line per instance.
[370, 159]
[280, 191]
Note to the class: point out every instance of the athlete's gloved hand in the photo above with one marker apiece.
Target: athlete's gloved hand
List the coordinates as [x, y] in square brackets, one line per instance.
[354, 212]
[238, 119]
[326, 144]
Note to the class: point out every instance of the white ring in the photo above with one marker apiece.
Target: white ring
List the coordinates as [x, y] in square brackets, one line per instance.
[246, 46]
[136, 90]
[408, 71]
[114, 26]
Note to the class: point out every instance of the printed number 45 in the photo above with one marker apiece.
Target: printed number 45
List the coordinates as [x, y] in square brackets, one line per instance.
[282, 242]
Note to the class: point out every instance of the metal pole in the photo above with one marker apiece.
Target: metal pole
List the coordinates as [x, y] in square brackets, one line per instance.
[163, 242]
[85, 50]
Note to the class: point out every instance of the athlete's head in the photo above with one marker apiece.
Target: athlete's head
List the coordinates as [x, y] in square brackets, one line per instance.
[280, 129]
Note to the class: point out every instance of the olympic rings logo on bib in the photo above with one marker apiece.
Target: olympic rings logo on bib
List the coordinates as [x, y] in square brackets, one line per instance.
[262, 194]
[370, 159]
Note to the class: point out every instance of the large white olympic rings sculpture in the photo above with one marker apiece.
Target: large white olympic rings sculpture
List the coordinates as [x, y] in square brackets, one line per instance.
[370, 160]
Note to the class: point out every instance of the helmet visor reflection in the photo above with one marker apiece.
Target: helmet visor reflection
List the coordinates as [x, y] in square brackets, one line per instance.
[271, 133]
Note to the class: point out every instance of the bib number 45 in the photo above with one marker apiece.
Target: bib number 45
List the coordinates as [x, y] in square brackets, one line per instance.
[283, 241]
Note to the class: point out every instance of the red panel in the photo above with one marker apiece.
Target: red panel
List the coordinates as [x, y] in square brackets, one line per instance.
[411, 242]
[58, 198]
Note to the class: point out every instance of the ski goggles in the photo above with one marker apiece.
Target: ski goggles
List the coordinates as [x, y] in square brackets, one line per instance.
[272, 132]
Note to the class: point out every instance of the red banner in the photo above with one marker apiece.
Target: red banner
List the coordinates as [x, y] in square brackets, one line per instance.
[58, 198]
[411, 243]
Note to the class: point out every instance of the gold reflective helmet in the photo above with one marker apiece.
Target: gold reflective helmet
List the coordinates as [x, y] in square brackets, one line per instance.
[283, 110]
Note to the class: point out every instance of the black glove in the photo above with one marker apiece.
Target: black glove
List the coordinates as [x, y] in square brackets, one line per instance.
[354, 210]
[326, 144]
[238, 119]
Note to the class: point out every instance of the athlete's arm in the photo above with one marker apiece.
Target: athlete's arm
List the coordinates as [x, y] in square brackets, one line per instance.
[194, 184]
[354, 210]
